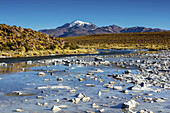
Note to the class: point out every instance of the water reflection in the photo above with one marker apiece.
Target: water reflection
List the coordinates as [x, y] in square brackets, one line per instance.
[17, 67]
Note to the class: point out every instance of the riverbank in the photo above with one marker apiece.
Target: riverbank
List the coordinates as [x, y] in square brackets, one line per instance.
[6, 54]
[96, 83]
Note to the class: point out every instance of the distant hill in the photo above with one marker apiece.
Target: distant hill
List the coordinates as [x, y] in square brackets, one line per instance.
[24, 39]
[79, 28]
[144, 40]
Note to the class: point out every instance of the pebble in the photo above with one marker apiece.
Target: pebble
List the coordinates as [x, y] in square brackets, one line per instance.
[81, 79]
[102, 110]
[117, 88]
[125, 91]
[72, 91]
[57, 100]
[99, 93]
[60, 79]
[90, 85]
[45, 104]
[39, 104]
[39, 97]
[41, 74]
[160, 100]
[62, 106]
[55, 108]
[18, 110]
[130, 104]
[114, 97]
[86, 99]
[95, 106]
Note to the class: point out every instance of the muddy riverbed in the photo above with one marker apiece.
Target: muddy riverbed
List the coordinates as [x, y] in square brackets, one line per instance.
[95, 83]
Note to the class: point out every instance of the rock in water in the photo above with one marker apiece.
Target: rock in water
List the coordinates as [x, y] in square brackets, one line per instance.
[18, 110]
[60, 79]
[72, 91]
[130, 104]
[41, 74]
[117, 88]
[90, 85]
[80, 95]
[98, 59]
[86, 99]
[55, 108]
[102, 110]
[99, 93]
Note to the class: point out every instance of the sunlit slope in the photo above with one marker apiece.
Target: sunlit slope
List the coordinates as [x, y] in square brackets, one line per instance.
[149, 40]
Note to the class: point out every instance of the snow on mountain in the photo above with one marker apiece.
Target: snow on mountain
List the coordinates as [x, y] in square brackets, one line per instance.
[79, 23]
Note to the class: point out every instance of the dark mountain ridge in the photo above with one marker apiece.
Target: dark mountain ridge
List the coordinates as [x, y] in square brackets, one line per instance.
[79, 28]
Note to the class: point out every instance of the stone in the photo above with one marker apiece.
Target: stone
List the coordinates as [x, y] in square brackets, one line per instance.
[3, 64]
[102, 110]
[99, 93]
[89, 111]
[125, 91]
[95, 79]
[57, 100]
[90, 85]
[41, 74]
[62, 106]
[76, 88]
[159, 100]
[109, 86]
[77, 76]
[39, 104]
[98, 59]
[148, 94]
[29, 62]
[138, 61]
[25, 100]
[54, 63]
[86, 99]
[17, 92]
[144, 111]
[47, 79]
[94, 105]
[81, 79]
[130, 104]
[72, 91]
[45, 104]
[112, 82]
[127, 71]
[140, 88]
[39, 97]
[80, 95]
[55, 108]
[75, 100]
[114, 97]
[18, 110]
[117, 88]
[60, 79]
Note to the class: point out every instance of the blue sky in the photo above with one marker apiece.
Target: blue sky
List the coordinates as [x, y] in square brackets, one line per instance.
[41, 14]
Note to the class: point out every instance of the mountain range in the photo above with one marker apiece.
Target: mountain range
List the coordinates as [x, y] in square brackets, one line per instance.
[80, 28]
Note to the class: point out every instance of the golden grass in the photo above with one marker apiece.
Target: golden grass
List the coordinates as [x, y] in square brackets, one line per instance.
[150, 40]
[45, 52]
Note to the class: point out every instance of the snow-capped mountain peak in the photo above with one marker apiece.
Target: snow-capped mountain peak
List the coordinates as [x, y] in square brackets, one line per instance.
[79, 23]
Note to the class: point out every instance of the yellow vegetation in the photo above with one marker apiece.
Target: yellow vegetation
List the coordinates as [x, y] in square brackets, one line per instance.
[149, 40]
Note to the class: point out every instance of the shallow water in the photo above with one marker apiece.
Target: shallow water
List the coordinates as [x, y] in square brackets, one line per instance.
[27, 80]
